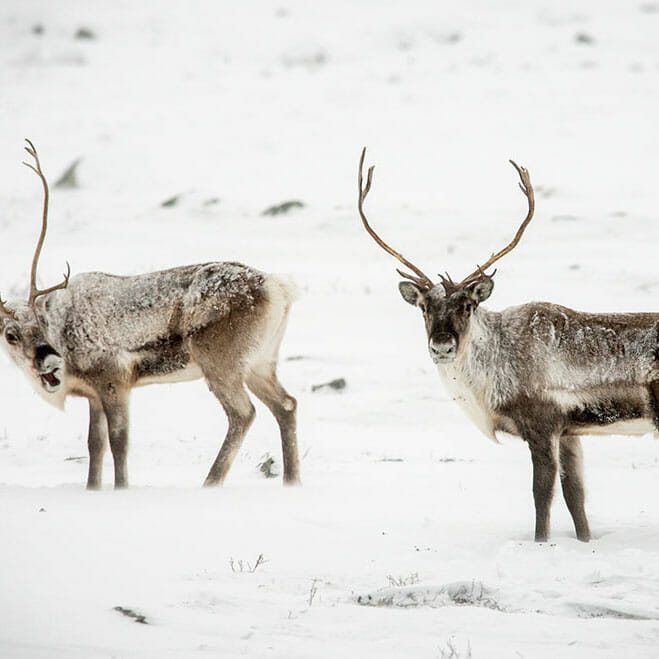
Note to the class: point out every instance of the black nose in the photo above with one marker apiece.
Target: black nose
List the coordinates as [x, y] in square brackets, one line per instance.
[42, 352]
[442, 349]
[442, 346]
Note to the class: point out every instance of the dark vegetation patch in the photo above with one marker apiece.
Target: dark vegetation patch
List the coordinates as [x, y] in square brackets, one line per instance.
[284, 207]
[171, 202]
[129, 613]
[69, 178]
[337, 384]
[85, 33]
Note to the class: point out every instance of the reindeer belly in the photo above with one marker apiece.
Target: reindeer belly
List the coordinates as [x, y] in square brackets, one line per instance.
[628, 413]
[632, 427]
[185, 374]
[164, 361]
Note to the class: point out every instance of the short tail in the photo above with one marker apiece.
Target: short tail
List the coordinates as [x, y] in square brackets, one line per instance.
[288, 287]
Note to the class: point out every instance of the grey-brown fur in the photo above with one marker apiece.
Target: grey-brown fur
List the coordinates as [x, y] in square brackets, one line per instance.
[103, 334]
[547, 374]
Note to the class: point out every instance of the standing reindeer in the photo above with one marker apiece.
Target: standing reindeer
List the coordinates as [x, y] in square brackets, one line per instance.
[540, 371]
[100, 335]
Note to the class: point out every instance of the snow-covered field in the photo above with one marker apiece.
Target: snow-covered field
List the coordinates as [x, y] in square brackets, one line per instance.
[412, 533]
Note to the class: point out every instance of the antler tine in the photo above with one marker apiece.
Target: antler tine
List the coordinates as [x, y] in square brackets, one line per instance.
[5, 311]
[63, 284]
[423, 283]
[421, 279]
[449, 285]
[526, 187]
[34, 291]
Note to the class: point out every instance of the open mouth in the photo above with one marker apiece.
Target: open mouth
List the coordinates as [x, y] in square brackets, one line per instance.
[50, 381]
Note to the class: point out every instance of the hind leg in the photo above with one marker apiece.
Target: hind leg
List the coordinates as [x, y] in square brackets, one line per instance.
[653, 391]
[240, 413]
[219, 351]
[571, 469]
[97, 441]
[263, 382]
[115, 406]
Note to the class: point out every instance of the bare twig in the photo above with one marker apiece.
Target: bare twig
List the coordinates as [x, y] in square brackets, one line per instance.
[450, 651]
[246, 566]
[312, 591]
[403, 581]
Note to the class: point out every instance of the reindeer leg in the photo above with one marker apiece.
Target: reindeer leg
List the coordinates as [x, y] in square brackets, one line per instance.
[240, 413]
[571, 461]
[263, 382]
[538, 423]
[653, 391]
[97, 440]
[545, 465]
[116, 412]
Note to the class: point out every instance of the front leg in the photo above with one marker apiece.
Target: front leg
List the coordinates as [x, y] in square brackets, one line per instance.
[545, 466]
[116, 412]
[97, 440]
[540, 424]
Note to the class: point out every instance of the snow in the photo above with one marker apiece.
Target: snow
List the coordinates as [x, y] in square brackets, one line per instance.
[259, 103]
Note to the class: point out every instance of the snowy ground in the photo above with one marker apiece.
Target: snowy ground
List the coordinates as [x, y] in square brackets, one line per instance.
[412, 533]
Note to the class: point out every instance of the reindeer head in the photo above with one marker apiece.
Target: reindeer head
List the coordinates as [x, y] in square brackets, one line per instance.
[447, 313]
[447, 306]
[22, 333]
[24, 342]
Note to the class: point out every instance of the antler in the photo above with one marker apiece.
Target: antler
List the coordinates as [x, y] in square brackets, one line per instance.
[527, 189]
[421, 279]
[5, 311]
[34, 291]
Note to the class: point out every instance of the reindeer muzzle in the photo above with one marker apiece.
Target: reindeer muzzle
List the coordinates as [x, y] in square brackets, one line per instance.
[443, 348]
[48, 365]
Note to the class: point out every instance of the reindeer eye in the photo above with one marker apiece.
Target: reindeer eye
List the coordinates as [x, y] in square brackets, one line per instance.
[423, 308]
[12, 337]
[468, 308]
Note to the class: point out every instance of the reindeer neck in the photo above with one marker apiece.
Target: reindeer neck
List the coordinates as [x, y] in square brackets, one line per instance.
[474, 378]
[481, 343]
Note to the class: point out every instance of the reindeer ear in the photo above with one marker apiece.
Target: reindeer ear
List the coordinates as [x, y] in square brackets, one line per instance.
[411, 293]
[480, 290]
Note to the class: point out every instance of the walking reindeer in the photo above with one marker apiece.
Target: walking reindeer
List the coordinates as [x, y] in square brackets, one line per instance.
[99, 335]
[540, 371]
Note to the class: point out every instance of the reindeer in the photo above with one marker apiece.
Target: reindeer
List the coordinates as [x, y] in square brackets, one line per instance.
[98, 335]
[543, 372]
